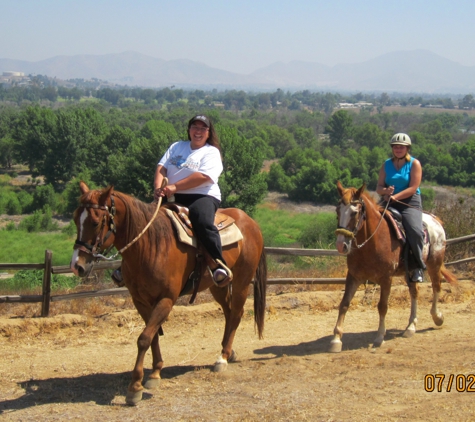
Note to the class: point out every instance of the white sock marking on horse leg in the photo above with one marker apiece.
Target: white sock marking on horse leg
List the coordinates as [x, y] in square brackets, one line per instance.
[221, 360]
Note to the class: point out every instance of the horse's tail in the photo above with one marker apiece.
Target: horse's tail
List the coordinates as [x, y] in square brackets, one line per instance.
[260, 286]
[448, 275]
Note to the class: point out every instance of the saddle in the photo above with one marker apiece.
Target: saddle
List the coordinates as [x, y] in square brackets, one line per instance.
[394, 218]
[229, 233]
[179, 216]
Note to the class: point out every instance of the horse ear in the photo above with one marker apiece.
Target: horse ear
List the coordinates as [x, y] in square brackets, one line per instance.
[83, 187]
[360, 191]
[340, 188]
[105, 195]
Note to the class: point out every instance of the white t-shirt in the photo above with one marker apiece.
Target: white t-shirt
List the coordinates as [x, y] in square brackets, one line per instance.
[181, 161]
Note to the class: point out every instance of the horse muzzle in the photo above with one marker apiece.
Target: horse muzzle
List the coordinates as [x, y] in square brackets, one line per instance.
[80, 265]
[343, 245]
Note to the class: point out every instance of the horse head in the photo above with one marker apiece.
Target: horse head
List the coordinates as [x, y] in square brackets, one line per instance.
[94, 219]
[350, 214]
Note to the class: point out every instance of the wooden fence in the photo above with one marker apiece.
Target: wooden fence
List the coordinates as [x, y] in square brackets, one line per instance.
[48, 270]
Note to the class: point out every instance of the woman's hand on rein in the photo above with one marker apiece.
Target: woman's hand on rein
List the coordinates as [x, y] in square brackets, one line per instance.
[166, 191]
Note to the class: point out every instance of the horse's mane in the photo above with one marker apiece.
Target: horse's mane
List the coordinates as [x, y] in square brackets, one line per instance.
[138, 215]
[369, 200]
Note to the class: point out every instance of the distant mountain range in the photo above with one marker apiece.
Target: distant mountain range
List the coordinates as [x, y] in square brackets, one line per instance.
[418, 71]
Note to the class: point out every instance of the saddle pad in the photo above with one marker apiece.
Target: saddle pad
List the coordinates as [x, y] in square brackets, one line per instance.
[229, 235]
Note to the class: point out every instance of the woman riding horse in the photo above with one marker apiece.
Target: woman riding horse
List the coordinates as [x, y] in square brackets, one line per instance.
[398, 183]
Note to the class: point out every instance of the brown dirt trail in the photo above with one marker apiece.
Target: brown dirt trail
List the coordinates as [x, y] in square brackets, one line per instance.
[73, 367]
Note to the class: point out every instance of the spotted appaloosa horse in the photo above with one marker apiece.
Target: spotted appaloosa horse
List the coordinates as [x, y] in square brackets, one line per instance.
[156, 267]
[374, 254]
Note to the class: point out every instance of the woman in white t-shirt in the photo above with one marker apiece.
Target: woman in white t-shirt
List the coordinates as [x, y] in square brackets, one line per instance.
[193, 168]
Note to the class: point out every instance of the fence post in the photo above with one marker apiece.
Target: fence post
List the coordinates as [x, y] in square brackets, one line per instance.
[47, 283]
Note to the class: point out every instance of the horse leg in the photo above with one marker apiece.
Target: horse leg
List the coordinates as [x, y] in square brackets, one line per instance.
[411, 327]
[233, 309]
[383, 310]
[436, 279]
[350, 289]
[145, 340]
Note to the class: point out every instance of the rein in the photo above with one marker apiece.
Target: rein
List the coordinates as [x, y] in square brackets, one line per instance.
[352, 235]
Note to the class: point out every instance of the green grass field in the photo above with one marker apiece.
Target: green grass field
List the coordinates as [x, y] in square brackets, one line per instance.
[22, 247]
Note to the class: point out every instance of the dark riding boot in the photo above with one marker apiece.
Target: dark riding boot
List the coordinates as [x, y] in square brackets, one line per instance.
[418, 275]
[117, 278]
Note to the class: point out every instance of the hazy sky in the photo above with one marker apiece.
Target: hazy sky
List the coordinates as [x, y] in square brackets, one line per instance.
[239, 36]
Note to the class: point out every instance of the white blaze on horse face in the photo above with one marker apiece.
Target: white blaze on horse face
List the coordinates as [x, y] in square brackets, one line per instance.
[75, 257]
[342, 242]
[82, 219]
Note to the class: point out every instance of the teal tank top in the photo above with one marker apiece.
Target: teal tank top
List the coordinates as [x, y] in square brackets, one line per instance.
[398, 178]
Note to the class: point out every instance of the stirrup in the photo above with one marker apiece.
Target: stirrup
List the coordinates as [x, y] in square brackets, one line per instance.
[222, 275]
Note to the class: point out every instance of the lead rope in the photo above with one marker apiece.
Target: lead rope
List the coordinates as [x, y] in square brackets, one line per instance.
[159, 203]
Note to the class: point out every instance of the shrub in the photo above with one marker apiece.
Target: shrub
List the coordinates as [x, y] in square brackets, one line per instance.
[320, 233]
[13, 206]
[44, 195]
[26, 201]
[10, 226]
[70, 229]
[31, 223]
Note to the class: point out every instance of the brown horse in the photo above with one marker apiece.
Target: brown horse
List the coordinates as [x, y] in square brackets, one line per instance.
[374, 253]
[156, 268]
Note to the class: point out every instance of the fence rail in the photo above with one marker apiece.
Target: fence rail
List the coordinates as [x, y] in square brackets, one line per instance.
[45, 298]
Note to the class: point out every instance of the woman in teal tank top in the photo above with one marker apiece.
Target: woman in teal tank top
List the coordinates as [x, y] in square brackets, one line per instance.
[399, 181]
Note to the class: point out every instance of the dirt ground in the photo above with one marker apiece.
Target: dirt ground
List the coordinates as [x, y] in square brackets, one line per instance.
[74, 367]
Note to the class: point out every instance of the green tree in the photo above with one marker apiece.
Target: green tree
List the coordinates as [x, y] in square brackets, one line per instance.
[242, 183]
[340, 128]
[34, 131]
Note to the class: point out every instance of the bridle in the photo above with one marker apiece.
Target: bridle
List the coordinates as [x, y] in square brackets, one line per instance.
[362, 217]
[96, 249]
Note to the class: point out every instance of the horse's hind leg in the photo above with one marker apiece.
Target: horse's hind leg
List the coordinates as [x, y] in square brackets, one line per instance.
[350, 290]
[233, 309]
[435, 275]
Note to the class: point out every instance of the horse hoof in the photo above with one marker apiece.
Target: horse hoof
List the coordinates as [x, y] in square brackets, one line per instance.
[335, 346]
[152, 383]
[233, 357]
[220, 365]
[438, 319]
[378, 343]
[133, 398]
[408, 333]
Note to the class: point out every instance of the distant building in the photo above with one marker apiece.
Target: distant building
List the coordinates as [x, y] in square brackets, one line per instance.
[10, 74]
[359, 104]
[12, 77]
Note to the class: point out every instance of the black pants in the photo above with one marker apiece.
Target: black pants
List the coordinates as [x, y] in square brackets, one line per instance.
[412, 222]
[202, 211]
